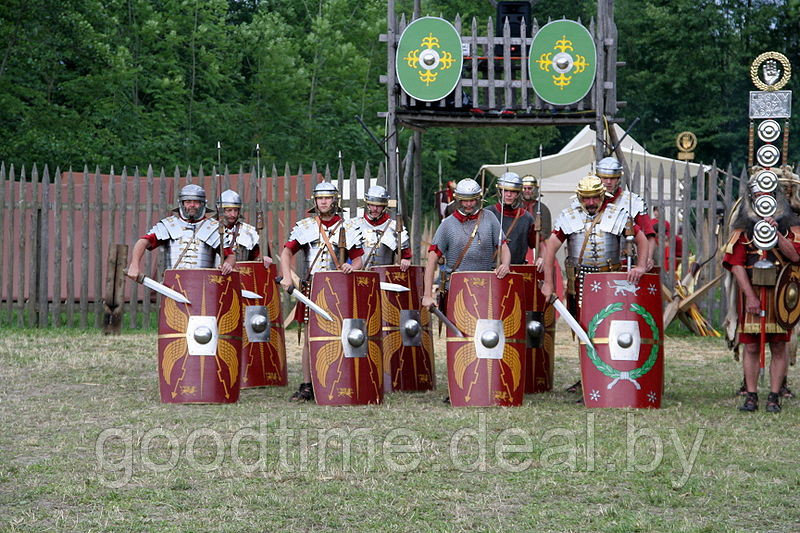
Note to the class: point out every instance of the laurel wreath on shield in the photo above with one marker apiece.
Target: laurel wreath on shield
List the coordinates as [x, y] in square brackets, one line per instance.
[610, 371]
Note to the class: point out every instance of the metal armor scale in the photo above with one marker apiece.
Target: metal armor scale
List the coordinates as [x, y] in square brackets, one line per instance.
[189, 244]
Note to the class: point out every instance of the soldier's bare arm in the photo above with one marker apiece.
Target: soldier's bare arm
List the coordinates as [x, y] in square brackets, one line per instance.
[642, 259]
[505, 262]
[551, 246]
[134, 268]
[752, 303]
[228, 265]
[430, 271]
[286, 267]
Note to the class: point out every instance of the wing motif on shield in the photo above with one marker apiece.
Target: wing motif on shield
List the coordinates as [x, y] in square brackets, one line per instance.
[463, 318]
[374, 353]
[391, 343]
[326, 355]
[374, 324]
[176, 319]
[330, 351]
[172, 352]
[512, 360]
[230, 320]
[333, 327]
[228, 355]
[275, 342]
[513, 322]
[464, 357]
[391, 313]
[274, 308]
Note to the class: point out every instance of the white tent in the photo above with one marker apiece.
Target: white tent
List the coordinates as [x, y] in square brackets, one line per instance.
[561, 171]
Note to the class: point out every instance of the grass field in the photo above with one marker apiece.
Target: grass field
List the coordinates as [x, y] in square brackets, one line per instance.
[86, 445]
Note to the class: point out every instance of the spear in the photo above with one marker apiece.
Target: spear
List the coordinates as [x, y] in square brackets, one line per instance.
[399, 213]
[219, 211]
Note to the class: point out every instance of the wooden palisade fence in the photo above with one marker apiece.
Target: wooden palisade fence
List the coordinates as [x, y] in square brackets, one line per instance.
[58, 229]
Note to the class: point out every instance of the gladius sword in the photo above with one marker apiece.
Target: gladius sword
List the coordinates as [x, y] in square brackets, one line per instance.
[304, 299]
[571, 322]
[161, 289]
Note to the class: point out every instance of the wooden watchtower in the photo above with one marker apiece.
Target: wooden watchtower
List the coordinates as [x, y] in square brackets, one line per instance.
[494, 88]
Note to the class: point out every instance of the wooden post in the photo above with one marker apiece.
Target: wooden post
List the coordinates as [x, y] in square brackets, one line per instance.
[21, 224]
[114, 295]
[70, 266]
[58, 214]
[416, 219]
[4, 207]
[44, 248]
[33, 210]
[148, 217]
[98, 250]
[353, 207]
[391, 97]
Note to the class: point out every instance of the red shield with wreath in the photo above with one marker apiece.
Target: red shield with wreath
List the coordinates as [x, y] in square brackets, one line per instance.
[624, 367]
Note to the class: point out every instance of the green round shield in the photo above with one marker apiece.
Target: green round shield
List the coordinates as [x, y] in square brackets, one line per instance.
[429, 59]
[562, 62]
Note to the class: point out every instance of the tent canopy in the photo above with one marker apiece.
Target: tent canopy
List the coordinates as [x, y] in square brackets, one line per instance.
[563, 170]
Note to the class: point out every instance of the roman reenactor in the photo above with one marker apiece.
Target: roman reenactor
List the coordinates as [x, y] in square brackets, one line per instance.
[379, 232]
[190, 238]
[518, 224]
[594, 231]
[465, 240]
[239, 235]
[765, 238]
[609, 170]
[199, 327]
[322, 237]
[531, 202]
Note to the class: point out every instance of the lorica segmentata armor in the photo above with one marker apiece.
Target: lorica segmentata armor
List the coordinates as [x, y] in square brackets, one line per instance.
[200, 240]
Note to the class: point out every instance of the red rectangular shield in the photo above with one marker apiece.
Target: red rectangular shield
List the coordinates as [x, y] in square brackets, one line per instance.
[625, 367]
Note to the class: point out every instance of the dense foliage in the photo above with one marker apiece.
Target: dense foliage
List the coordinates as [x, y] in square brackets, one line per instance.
[131, 82]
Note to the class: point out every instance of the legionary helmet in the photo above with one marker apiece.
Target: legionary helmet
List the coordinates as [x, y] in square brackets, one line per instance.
[530, 181]
[467, 189]
[609, 167]
[509, 181]
[590, 187]
[376, 195]
[325, 189]
[192, 192]
[229, 198]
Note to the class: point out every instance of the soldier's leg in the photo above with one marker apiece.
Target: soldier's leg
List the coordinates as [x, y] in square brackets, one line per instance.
[751, 366]
[306, 391]
[306, 358]
[778, 365]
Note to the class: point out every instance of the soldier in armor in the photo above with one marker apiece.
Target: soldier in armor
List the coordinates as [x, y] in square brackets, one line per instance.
[190, 238]
[609, 170]
[239, 235]
[518, 224]
[465, 240]
[323, 237]
[380, 232]
[754, 266]
[594, 232]
[532, 204]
